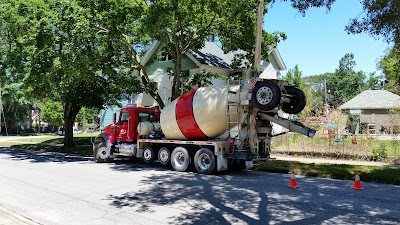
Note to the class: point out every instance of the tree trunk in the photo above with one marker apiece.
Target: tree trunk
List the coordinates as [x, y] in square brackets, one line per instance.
[70, 112]
[153, 93]
[176, 85]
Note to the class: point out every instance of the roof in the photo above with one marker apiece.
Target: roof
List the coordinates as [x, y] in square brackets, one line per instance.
[373, 99]
[211, 54]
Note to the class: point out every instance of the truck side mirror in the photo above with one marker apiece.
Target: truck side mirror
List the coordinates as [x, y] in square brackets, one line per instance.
[114, 117]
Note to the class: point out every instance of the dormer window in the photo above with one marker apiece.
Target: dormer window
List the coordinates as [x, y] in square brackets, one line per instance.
[165, 56]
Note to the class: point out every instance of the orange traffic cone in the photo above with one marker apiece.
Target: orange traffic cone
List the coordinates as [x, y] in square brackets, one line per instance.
[357, 182]
[293, 183]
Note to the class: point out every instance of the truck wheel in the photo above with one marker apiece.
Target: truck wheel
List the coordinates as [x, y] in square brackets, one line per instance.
[148, 154]
[266, 95]
[164, 156]
[297, 100]
[180, 159]
[204, 161]
[101, 153]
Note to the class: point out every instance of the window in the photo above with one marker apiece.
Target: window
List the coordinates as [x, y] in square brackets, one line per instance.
[146, 117]
[124, 117]
[165, 56]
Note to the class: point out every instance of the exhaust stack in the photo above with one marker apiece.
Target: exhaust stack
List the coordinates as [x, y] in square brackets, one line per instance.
[291, 125]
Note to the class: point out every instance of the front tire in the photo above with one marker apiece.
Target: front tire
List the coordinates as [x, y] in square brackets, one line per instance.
[266, 95]
[180, 159]
[204, 161]
[102, 153]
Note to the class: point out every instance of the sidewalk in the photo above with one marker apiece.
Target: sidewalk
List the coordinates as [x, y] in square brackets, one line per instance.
[329, 161]
[8, 217]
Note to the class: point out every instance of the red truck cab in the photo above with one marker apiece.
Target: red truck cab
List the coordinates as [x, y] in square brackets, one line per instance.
[125, 129]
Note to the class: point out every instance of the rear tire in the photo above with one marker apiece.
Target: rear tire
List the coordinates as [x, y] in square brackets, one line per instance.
[180, 159]
[204, 161]
[101, 153]
[149, 154]
[297, 102]
[266, 95]
[164, 156]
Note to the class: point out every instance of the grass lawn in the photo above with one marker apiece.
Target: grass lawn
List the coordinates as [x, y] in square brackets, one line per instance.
[381, 174]
[83, 144]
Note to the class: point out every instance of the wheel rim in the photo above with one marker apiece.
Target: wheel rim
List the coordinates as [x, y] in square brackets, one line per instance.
[164, 155]
[180, 158]
[147, 154]
[264, 95]
[103, 153]
[204, 161]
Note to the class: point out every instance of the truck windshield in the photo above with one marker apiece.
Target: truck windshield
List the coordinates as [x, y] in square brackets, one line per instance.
[146, 117]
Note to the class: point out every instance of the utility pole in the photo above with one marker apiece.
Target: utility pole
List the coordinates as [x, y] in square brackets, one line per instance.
[257, 53]
[325, 93]
[1, 107]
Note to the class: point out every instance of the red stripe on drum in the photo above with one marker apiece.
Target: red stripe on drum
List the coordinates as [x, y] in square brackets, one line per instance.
[185, 117]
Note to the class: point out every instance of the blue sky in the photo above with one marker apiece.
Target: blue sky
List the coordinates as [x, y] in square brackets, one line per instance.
[317, 41]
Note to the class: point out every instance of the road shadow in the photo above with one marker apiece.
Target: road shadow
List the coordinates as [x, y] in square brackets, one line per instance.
[41, 157]
[252, 198]
[119, 164]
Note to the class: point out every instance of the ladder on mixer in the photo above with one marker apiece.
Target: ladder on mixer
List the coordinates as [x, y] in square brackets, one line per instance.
[231, 104]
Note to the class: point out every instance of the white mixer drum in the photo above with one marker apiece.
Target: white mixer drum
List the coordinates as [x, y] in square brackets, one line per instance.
[199, 114]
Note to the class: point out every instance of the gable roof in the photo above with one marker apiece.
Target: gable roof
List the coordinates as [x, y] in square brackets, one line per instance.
[373, 99]
[212, 55]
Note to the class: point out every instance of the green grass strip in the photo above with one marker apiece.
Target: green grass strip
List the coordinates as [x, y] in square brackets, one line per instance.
[380, 174]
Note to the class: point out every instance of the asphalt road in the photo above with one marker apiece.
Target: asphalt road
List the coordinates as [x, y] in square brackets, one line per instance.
[60, 189]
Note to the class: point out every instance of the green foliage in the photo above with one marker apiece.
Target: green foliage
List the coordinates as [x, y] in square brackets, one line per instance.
[55, 50]
[381, 18]
[86, 114]
[374, 81]
[342, 85]
[378, 154]
[293, 78]
[14, 104]
[52, 113]
[390, 65]
[185, 25]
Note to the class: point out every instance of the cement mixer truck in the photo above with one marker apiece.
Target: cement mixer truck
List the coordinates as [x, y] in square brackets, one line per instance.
[209, 128]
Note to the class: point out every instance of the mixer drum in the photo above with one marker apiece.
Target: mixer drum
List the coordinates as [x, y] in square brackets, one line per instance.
[199, 114]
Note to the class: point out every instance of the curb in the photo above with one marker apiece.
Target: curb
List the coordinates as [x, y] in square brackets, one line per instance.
[9, 217]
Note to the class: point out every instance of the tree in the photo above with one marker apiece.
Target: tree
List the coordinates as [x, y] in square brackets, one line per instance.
[390, 65]
[52, 112]
[185, 25]
[374, 81]
[53, 48]
[345, 83]
[118, 24]
[88, 115]
[15, 106]
[289, 77]
[380, 17]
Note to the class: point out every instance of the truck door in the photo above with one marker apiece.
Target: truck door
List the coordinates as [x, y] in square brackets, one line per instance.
[125, 132]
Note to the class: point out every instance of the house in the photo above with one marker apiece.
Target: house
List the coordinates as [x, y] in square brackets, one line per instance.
[376, 110]
[211, 58]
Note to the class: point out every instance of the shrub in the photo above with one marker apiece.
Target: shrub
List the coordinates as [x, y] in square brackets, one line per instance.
[379, 153]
